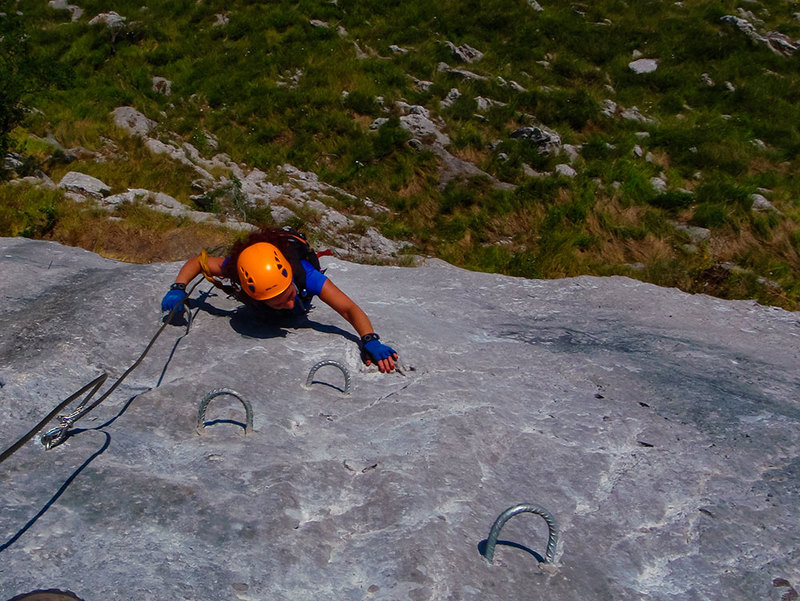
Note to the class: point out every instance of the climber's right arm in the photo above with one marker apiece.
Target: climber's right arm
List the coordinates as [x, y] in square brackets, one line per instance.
[190, 270]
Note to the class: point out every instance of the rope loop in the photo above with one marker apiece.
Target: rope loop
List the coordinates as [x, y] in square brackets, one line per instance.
[510, 513]
[336, 364]
[201, 412]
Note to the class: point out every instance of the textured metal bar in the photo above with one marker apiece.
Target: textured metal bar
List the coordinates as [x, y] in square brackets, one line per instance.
[510, 513]
[201, 412]
[343, 369]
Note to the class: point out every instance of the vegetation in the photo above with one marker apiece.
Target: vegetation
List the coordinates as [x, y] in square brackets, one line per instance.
[720, 124]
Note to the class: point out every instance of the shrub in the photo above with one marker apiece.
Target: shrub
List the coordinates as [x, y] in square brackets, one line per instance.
[672, 200]
[361, 103]
[28, 211]
[709, 215]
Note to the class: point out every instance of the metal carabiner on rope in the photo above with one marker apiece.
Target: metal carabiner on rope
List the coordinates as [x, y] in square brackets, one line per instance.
[53, 438]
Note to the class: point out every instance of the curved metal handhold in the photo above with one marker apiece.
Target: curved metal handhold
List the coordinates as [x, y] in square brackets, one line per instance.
[510, 513]
[314, 369]
[201, 412]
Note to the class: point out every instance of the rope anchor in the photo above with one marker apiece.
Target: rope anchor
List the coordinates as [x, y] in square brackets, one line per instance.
[201, 412]
[510, 513]
[336, 364]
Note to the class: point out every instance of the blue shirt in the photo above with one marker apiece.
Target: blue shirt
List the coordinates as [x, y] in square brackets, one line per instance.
[315, 279]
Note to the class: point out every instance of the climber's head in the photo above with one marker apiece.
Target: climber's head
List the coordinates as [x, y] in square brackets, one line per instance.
[264, 272]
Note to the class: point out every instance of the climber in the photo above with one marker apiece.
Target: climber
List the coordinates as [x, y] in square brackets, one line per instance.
[276, 271]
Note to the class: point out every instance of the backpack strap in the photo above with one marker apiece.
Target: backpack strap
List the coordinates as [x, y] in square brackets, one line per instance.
[232, 290]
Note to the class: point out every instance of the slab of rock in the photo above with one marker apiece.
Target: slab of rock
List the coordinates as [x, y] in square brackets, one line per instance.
[660, 429]
[84, 185]
[465, 53]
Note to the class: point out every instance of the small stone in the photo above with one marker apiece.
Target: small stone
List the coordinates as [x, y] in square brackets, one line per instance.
[643, 65]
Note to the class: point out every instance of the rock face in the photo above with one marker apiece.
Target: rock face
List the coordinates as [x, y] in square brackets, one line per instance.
[661, 430]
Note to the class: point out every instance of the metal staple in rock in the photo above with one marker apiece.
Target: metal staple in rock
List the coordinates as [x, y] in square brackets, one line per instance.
[201, 413]
[343, 369]
[510, 513]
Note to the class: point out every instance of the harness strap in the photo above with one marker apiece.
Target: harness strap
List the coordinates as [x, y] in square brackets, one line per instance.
[203, 259]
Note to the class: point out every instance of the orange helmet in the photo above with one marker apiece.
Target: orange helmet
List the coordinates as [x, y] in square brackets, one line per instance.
[263, 271]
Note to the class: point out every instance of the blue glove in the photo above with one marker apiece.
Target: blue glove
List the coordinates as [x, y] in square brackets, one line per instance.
[172, 299]
[377, 351]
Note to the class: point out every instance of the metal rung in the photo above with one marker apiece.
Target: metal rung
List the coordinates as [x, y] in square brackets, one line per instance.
[201, 413]
[510, 513]
[341, 367]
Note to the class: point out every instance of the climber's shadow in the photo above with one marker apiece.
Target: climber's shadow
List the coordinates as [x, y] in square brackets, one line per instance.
[259, 322]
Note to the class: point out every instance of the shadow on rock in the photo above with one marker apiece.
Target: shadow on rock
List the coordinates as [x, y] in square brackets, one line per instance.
[58, 493]
[508, 543]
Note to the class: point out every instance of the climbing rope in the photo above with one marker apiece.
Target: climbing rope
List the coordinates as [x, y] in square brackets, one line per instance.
[336, 364]
[515, 510]
[96, 383]
[59, 434]
[201, 412]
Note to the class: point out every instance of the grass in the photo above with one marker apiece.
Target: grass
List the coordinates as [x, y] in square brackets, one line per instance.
[269, 87]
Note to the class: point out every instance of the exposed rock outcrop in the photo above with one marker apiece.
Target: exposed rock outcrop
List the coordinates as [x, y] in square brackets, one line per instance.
[660, 426]
[777, 42]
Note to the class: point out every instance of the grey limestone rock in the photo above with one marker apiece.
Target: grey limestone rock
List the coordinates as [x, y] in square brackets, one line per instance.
[761, 204]
[76, 12]
[643, 65]
[128, 118]
[111, 19]
[660, 429]
[633, 114]
[777, 42]
[83, 184]
[565, 170]
[451, 97]
[465, 53]
[696, 234]
[162, 85]
[547, 141]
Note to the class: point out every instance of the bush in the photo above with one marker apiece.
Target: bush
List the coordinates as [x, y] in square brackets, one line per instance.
[709, 215]
[361, 103]
[28, 211]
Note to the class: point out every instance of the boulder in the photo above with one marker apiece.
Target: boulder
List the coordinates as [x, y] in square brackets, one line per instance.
[84, 185]
[128, 118]
[111, 19]
[565, 170]
[547, 141]
[451, 97]
[162, 85]
[465, 53]
[761, 204]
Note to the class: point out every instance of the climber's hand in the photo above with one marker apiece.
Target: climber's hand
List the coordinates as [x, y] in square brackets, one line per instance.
[382, 355]
[172, 299]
